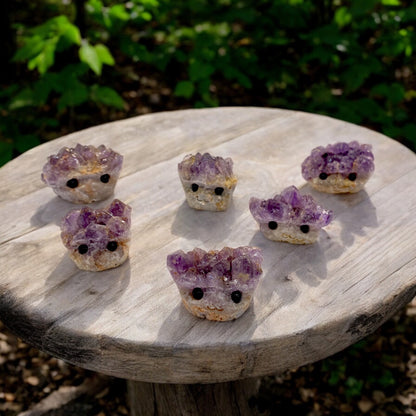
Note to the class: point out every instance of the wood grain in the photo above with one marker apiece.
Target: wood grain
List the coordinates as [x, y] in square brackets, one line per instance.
[218, 399]
[312, 301]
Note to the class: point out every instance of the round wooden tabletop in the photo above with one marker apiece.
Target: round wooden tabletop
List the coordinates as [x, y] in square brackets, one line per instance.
[312, 301]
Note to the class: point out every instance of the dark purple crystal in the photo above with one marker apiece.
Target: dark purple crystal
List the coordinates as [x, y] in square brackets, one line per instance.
[290, 207]
[343, 158]
[80, 160]
[228, 269]
[96, 228]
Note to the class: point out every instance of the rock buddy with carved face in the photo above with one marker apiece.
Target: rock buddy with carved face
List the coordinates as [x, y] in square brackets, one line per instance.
[83, 174]
[216, 285]
[208, 181]
[339, 168]
[290, 217]
[98, 239]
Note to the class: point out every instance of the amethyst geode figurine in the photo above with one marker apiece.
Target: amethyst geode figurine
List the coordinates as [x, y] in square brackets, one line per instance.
[216, 285]
[208, 181]
[83, 174]
[98, 239]
[339, 168]
[290, 217]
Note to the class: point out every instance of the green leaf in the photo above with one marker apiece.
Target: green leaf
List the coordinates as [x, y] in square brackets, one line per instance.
[395, 93]
[76, 95]
[107, 96]
[184, 89]
[346, 112]
[146, 16]
[6, 152]
[355, 75]
[89, 55]
[334, 378]
[95, 56]
[104, 54]
[32, 47]
[137, 51]
[39, 49]
[362, 8]
[9, 91]
[72, 35]
[46, 58]
[200, 70]
[321, 94]
[368, 108]
[230, 72]
[119, 12]
[94, 6]
[25, 142]
[73, 70]
[24, 98]
[386, 379]
[342, 16]
[353, 387]
[44, 86]
[391, 2]
[409, 131]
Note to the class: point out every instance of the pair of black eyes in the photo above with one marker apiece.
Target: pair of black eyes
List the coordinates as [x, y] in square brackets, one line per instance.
[304, 228]
[73, 183]
[352, 176]
[111, 246]
[198, 294]
[218, 191]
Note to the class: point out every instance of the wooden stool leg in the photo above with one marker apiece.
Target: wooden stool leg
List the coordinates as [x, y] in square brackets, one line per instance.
[219, 399]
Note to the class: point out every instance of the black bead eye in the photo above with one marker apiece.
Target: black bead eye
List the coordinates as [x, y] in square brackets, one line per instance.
[72, 183]
[82, 249]
[236, 296]
[272, 225]
[325, 155]
[352, 177]
[219, 190]
[112, 246]
[323, 176]
[105, 178]
[197, 293]
[304, 228]
[194, 187]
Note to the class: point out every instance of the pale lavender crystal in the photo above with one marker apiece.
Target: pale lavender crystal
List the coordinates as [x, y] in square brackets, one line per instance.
[223, 271]
[94, 169]
[342, 158]
[205, 168]
[290, 207]
[79, 159]
[95, 228]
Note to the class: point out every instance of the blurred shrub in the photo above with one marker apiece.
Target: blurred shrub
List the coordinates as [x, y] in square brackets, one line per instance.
[352, 60]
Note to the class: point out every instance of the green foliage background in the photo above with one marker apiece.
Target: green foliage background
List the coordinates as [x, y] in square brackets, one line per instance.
[73, 64]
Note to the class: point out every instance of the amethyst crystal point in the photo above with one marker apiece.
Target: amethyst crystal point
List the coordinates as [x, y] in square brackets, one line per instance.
[339, 168]
[290, 217]
[83, 174]
[216, 285]
[98, 239]
[208, 181]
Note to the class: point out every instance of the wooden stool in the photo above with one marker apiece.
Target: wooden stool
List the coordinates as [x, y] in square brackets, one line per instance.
[128, 322]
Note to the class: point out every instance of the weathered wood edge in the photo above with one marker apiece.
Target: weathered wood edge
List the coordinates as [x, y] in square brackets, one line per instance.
[92, 354]
[305, 347]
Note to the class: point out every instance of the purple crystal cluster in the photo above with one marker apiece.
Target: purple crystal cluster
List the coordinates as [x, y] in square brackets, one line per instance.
[78, 161]
[342, 158]
[94, 229]
[290, 207]
[226, 270]
[205, 168]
